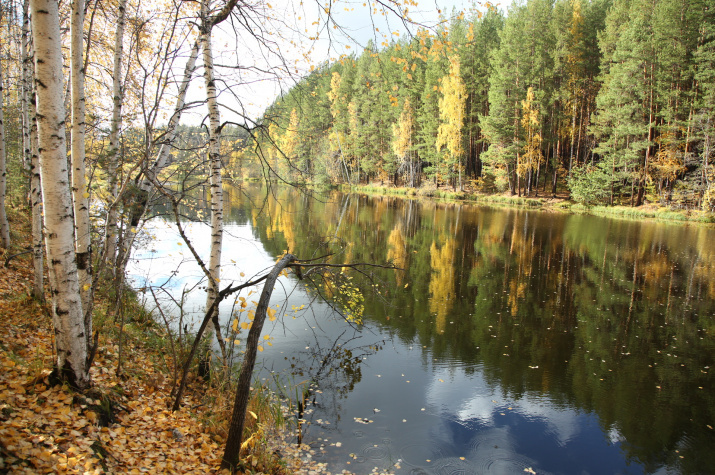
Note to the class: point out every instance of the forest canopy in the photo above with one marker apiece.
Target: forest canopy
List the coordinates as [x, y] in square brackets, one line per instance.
[609, 100]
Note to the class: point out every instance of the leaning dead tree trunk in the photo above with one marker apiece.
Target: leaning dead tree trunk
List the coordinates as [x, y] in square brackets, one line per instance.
[238, 418]
[67, 316]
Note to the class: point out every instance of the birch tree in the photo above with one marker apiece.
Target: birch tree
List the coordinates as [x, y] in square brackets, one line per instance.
[31, 153]
[80, 192]
[215, 182]
[451, 113]
[110, 241]
[4, 226]
[68, 319]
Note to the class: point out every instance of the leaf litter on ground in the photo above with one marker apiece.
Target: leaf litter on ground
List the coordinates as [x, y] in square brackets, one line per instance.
[121, 425]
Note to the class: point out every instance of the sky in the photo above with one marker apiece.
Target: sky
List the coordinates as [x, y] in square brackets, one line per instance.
[304, 37]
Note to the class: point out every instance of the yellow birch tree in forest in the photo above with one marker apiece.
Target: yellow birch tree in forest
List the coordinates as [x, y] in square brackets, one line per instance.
[451, 113]
[402, 133]
[532, 158]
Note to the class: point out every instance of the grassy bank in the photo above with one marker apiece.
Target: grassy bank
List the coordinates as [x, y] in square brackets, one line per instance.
[123, 423]
[559, 203]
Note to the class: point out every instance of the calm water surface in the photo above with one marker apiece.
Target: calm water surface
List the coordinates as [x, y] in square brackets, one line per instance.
[512, 341]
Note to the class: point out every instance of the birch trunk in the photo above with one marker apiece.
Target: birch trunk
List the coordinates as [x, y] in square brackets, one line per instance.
[80, 191]
[38, 287]
[110, 241]
[216, 185]
[4, 226]
[68, 319]
[26, 85]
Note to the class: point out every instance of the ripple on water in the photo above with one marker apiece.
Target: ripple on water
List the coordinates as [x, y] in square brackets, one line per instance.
[492, 451]
[455, 466]
[376, 453]
[421, 455]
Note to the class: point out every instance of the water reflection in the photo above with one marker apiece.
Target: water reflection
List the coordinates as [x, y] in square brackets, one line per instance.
[513, 339]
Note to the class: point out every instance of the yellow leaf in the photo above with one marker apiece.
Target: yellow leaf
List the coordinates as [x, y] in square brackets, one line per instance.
[234, 325]
[260, 348]
[266, 337]
[253, 414]
[85, 194]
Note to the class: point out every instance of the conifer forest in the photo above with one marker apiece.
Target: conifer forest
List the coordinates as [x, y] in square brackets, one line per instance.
[609, 100]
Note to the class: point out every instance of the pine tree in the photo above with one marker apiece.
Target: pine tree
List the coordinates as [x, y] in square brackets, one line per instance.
[624, 119]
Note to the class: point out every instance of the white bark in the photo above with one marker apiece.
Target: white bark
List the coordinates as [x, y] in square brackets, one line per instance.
[4, 226]
[26, 84]
[38, 287]
[110, 249]
[215, 181]
[68, 318]
[80, 191]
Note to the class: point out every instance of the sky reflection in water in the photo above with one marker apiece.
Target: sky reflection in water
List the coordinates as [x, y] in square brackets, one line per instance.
[514, 340]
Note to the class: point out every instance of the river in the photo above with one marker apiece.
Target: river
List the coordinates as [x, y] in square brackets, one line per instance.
[512, 341]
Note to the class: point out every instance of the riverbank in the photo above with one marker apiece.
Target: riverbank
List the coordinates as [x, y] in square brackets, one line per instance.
[123, 423]
[560, 203]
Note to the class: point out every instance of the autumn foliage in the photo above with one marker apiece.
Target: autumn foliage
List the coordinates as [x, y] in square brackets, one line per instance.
[123, 424]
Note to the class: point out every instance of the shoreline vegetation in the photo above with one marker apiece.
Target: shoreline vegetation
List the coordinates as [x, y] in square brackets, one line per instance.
[559, 203]
[608, 101]
[123, 424]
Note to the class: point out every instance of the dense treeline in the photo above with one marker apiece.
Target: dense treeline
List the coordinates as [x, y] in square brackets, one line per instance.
[610, 99]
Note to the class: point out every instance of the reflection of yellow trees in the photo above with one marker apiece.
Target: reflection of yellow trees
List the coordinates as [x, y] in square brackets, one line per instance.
[397, 252]
[705, 268]
[524, 250]
[442, 281]
[517, 291]
[283, 214]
